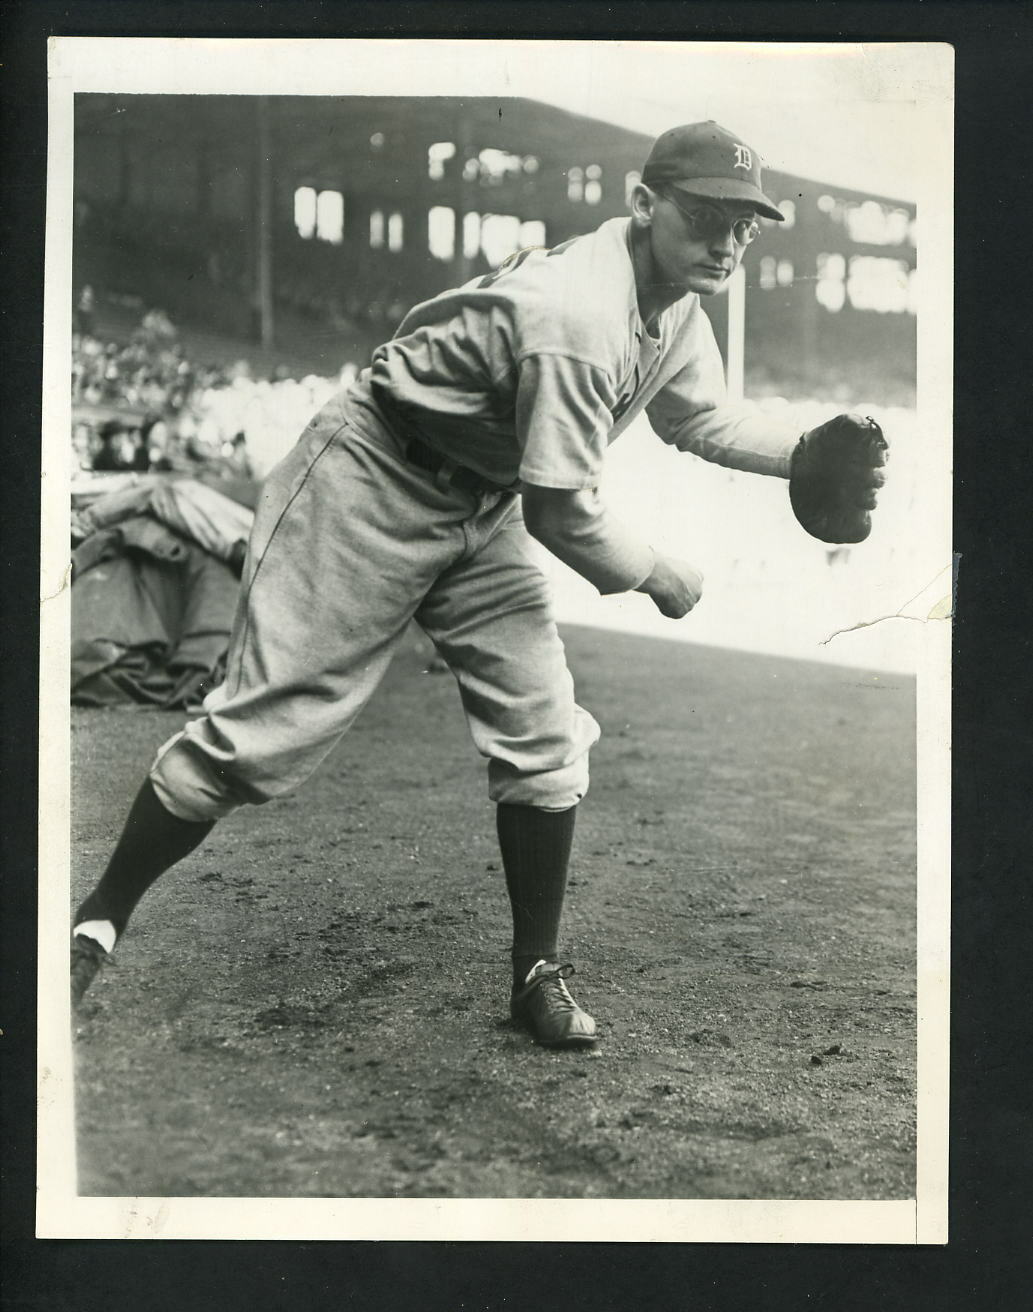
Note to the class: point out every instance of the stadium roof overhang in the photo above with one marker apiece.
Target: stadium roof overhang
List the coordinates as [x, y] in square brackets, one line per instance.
[328, 138]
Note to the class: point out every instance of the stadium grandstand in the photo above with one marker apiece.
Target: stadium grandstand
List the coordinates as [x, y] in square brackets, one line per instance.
[286, 236]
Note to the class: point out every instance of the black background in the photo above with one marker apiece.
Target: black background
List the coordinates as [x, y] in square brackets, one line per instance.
[987, 1264]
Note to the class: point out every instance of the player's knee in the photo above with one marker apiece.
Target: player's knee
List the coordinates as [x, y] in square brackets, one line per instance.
[550, 772]
[557, 790]
[193, 787]
[549, 790]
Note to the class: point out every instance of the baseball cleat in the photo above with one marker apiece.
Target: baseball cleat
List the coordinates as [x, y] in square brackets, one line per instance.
[543, 1006]
[87, 958]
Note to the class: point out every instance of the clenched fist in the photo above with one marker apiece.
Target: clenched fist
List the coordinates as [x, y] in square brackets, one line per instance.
[674, 585]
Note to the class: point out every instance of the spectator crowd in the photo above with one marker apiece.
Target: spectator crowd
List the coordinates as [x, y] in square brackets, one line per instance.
[144, 405]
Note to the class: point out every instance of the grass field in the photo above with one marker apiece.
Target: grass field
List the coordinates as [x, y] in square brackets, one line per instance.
[315, 1002]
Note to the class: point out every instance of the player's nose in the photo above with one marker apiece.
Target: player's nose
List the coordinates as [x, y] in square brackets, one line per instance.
[722, 243]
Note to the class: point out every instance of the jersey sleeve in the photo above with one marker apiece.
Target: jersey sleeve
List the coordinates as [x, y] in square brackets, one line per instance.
[563, 420]
[692, 412]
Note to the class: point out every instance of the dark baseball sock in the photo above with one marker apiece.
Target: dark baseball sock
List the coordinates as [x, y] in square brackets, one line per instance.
[153, 839]
[535, 848]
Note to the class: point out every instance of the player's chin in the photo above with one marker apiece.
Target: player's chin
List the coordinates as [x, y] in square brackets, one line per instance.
[705, 281]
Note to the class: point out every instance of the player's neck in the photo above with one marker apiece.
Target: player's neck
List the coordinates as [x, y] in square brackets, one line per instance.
[653, 295]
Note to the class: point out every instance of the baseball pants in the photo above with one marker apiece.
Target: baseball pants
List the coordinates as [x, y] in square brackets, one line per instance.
[351, 542]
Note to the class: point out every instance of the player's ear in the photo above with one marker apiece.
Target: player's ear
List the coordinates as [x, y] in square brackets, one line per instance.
[642, 202]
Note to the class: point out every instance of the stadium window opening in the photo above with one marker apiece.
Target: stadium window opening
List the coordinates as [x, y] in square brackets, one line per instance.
[502, 235]
[830, 285]
[775, 273]
[438, 155]
[471, 234]
[876, 283]
[319, 215]
[441, 232]
[330, 217]
[869, 222]
[585, 184]
[491, 167]
[305, 211]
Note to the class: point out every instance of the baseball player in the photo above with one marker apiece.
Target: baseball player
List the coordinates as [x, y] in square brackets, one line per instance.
[411, 495]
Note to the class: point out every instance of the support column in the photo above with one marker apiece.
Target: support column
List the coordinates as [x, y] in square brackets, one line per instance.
[736, 354]
[464, 194]
[263, 225]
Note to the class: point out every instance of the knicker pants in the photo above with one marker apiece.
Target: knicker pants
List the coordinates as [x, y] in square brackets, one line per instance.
[350, 543]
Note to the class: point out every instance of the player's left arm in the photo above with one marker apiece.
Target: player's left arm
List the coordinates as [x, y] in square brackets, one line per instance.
[692, 413]
[834, 470]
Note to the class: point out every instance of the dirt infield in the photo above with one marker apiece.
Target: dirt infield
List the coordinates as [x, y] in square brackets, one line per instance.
[315, 1003]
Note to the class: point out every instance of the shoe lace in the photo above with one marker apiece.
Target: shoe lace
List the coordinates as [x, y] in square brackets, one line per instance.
[551, 982]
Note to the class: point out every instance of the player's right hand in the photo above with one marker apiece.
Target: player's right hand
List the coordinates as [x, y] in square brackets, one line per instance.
[674, 585]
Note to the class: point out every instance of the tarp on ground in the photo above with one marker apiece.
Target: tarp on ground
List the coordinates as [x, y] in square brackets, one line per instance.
[151, 617]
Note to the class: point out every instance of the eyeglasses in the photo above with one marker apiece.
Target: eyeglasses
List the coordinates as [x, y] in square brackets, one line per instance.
[707, 222]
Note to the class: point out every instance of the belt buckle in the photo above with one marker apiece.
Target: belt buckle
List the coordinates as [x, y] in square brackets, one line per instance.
[447, 470]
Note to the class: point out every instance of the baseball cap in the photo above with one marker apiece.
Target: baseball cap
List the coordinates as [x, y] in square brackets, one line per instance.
[708, 160]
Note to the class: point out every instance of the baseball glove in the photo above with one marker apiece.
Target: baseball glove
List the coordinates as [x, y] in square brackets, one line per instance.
[836, 471]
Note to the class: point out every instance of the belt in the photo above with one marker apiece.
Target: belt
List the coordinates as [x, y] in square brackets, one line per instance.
[418, 453]
[425, 457]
